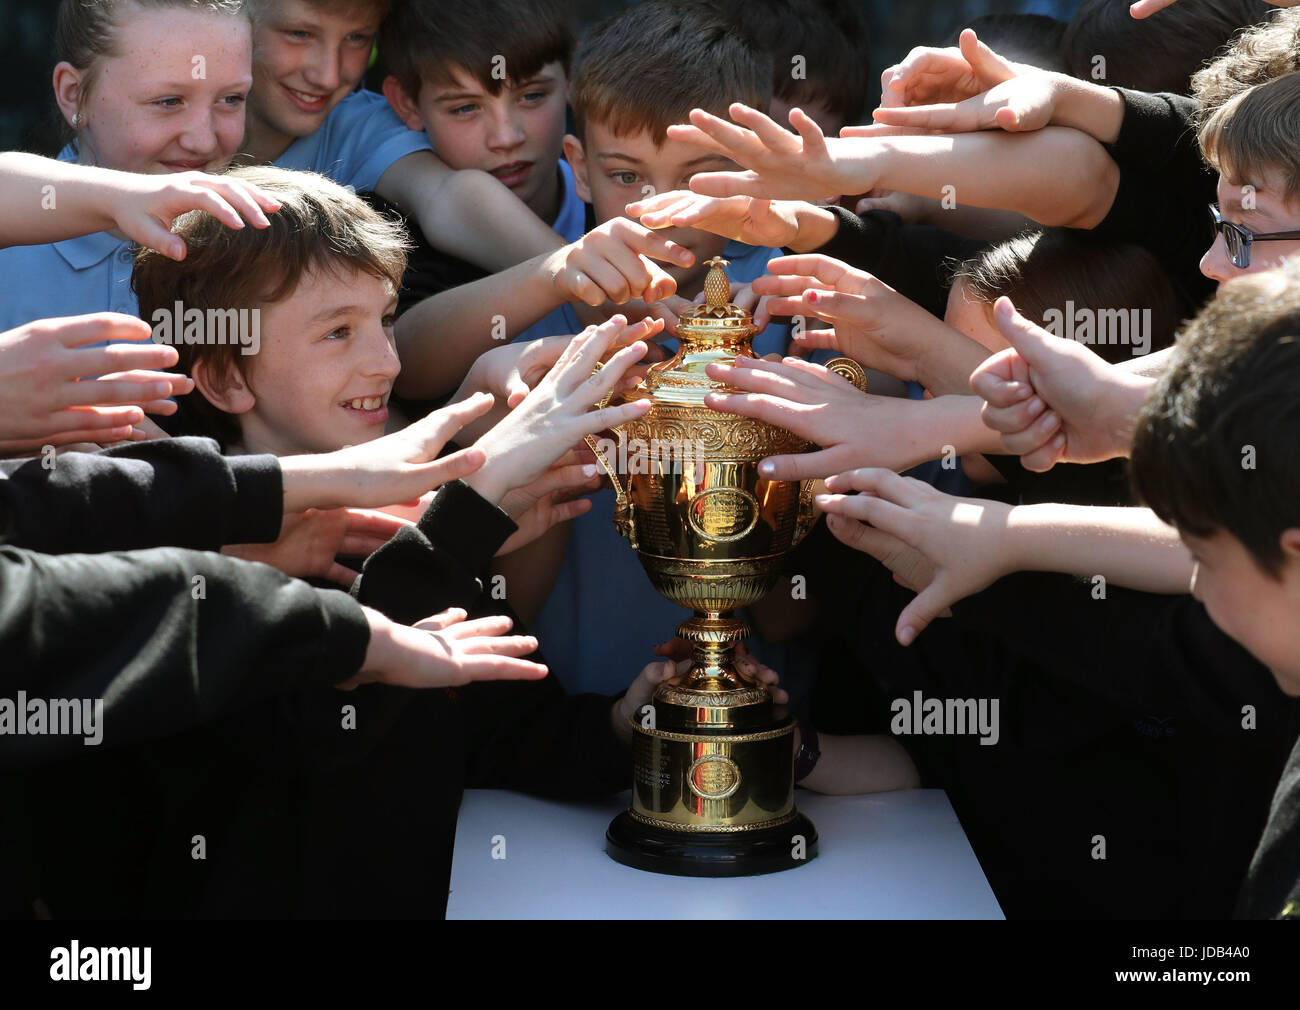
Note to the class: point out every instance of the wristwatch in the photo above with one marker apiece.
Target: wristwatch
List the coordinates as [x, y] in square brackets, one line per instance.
[809, 751]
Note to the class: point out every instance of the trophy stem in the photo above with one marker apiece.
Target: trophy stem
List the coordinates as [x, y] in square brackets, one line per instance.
[714, 639]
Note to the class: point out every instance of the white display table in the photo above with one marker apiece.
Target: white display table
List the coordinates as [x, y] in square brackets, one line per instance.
[896, 855]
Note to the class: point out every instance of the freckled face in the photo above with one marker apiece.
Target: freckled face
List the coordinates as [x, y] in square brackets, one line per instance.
[160, 106]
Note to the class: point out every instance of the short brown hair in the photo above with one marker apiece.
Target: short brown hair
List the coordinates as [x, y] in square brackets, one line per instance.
[1265, 52]
[1042, 270]
[830, 39]
[425, 41]
[646, 68]
[1256, 131]
[1155, 54]
[320, 226]
[1215, 446]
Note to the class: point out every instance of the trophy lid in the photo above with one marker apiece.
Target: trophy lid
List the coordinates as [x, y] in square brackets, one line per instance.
[716, 330]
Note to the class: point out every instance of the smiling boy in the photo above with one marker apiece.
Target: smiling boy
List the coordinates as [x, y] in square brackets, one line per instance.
[305, 112]
[324, 280]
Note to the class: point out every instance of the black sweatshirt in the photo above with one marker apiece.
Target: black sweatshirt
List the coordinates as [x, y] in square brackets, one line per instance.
[1165, 651]
[1165, 188]
[308, 808]
[178, 492]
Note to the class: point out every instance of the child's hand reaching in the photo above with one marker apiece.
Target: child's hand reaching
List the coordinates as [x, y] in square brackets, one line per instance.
[510, 372]
[852, 428]
[779, 165]
[1053, 400]
[929, 76]
[614, 262]
[550, 500]
[144, 206]
[556, 415]
[400, 467]
[42, 397]
[870, 321]
[943, 548]
[444, 650]
[771, 223]
[678, 651]
[311, 541]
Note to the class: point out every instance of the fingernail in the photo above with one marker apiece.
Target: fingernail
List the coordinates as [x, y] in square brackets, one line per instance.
[766, 469]
[1036, 404]
[590, 470]
[907, 635]
[822, 499]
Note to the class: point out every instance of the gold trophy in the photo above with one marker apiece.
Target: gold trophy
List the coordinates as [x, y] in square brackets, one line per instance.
[713, 782]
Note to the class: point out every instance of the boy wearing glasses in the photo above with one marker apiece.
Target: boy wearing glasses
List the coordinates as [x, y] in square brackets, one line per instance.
[1254, 142]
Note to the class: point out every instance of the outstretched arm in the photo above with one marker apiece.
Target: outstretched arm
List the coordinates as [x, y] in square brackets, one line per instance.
[947, 548]
[466, 213]
[1056, 176]
[43, 200]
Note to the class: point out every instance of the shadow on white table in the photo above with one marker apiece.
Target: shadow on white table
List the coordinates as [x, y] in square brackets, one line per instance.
[896, 855]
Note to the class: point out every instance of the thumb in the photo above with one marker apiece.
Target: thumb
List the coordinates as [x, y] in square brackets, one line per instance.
[932, 601]
[989, 66]
[516, 391]
[1032, 342]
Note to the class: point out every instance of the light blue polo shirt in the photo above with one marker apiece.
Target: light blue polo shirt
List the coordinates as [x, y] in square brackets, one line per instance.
[603, 618]
[360, 138]
[570, 224]
[358, 141]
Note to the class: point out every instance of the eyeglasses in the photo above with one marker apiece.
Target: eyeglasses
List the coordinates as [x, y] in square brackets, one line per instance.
[1238, 239]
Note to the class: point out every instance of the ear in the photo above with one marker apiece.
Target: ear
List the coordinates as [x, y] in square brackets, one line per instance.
[67, 90]
[228, 392]
[403, 104]
[1290, 543]
[577, 159]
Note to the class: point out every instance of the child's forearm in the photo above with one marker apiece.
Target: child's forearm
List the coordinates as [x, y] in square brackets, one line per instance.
[1127, 546]
[1057, 176]
[1087, 107]
[42, 200]
[439, 339]
[948, 358]
[851, 765]
[466, 213]
[948, 427]
[816, 226]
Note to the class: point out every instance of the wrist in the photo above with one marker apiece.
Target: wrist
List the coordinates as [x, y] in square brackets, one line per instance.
[813, 227]
[946, 358]
[1090, 108]
[1126, 402]
[380, 650]
[309, 482]
[489, 482]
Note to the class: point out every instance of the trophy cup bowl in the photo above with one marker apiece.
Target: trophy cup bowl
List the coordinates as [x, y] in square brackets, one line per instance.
[713, 778]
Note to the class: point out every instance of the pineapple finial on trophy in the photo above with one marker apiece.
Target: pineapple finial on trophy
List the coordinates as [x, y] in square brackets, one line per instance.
[717, 288]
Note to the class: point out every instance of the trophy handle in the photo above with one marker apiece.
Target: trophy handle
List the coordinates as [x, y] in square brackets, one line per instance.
[623, 517]
[845, 368]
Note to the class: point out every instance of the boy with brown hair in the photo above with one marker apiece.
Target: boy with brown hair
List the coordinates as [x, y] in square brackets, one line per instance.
[635, 74]
[305, 112]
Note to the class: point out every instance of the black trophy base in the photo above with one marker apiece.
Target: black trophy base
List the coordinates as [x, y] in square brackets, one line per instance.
[721, 854]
